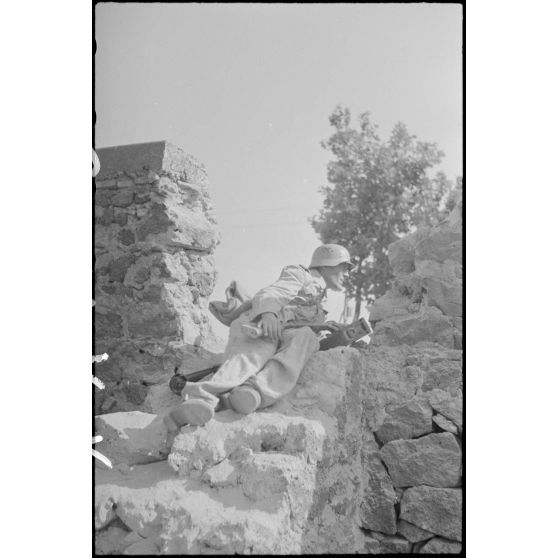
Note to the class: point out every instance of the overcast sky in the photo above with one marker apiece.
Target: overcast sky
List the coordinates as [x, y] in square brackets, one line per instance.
[248, 88]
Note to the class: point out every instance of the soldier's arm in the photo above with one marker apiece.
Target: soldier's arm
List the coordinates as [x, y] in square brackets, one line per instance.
[277, 295]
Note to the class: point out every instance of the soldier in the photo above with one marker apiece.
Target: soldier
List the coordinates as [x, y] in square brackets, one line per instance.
[257, 372]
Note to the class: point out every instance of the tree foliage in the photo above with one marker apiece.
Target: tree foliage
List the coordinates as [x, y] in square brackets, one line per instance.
[378, 191]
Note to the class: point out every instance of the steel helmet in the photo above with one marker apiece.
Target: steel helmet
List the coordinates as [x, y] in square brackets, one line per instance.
[330, 255]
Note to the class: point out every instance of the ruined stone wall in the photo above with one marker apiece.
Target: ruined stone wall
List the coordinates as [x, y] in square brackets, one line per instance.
[413, 398]
[363, 456]
[154, 270]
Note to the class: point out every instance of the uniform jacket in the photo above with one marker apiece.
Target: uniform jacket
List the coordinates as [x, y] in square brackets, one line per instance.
[296, 296]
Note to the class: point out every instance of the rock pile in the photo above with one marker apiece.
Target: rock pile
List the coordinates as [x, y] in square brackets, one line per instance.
[154, 238]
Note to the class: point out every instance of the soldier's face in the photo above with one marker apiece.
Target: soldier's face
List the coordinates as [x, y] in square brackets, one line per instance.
[334, 276]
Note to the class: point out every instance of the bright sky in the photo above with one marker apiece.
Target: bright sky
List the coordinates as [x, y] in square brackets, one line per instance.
[248, 88]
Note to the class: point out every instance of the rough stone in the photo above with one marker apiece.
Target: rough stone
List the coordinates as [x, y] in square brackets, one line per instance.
[108, 325]
[433, 460]
[439, 245]
[446, 375]
[401, 255]
[445, 424]
[444, 286]
[441, 546]
[389, 383]
[413, 533]
[222, 474]
[428, 325]
[437, 510]
[377, 511]
[132, 437]
[126, 237]
[110, 540]
[450, 406]
[142, 548]
[388, 544]
[410, 420]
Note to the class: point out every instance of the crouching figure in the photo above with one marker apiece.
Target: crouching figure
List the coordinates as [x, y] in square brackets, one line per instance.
[258, 370]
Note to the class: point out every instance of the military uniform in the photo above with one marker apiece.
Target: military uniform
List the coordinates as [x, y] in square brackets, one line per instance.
[270, 366]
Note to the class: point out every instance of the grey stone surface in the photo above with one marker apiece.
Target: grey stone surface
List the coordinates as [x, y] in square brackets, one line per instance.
[377, 511]
[412, 533]
[438, 510]
[410, 420]
[441, 546]
[448, 405]
[445, 424]
[433, 460]
[131, 438]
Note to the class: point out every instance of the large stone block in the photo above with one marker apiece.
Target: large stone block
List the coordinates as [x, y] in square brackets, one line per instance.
[438, 510]
[158, 157]
[377, 511]
[413, 533]
[441, 546]
[378, 543]
[433, 460]
[427, 325]
[410, 420]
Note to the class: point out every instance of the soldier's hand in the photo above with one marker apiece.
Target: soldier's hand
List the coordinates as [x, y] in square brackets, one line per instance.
[271, 326]
[335, 326]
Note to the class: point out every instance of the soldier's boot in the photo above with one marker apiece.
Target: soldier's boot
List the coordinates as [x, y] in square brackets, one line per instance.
[244, 400]
[192, 411]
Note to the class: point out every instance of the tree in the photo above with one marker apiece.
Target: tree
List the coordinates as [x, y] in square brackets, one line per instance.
[378, 191]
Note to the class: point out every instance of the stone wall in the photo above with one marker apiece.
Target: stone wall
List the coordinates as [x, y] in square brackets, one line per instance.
[155, 234]
[413, 398]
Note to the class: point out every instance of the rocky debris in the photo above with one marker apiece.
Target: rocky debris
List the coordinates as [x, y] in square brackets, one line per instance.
[284, 480]
[413, 533]
[437, 510]
[155, 234]
[441, 546]
[433, 460]
[410, 420]
[131, 437]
